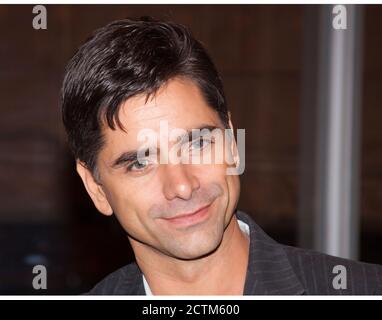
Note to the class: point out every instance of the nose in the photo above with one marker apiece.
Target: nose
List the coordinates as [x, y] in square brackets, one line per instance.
[179, 181]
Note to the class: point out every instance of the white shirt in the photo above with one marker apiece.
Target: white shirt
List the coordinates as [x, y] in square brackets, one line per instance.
[244, 228]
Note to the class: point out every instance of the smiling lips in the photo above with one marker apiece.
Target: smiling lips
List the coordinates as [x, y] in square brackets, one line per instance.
[189, 218]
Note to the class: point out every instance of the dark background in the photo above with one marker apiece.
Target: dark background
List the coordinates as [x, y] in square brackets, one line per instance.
[45, 214]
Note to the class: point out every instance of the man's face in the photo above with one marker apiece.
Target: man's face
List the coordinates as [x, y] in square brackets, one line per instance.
[147, 197]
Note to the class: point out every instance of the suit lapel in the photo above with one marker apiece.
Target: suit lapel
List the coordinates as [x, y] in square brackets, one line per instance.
[269, 271]
[132, 283]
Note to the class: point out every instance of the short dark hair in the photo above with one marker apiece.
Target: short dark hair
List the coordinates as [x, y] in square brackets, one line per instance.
[123, 59]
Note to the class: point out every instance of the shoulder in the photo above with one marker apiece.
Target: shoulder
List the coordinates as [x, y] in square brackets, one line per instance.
[124, 281]
[325, 274]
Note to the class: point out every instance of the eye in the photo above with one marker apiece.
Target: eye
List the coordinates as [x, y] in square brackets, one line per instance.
[200, 143]
[138, 165]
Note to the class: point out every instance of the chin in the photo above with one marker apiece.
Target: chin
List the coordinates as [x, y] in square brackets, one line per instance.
[197, 250]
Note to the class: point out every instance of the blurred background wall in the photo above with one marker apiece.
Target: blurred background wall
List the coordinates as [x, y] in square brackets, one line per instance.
[45, 214]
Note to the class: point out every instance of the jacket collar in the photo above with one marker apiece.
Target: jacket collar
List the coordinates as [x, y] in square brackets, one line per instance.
[269, 271]
[133, 282]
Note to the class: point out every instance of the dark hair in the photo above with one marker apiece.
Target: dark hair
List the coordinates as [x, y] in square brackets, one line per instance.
[123, 59]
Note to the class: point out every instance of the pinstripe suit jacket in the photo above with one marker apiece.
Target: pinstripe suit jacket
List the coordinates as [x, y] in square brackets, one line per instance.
[273, 269]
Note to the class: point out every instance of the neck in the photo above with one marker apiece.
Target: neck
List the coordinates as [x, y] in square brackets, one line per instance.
[222, 272]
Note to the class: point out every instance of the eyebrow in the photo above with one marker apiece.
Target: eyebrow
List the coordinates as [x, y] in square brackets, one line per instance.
[131, 156]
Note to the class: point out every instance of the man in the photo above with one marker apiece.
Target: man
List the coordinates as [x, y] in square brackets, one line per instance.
[133, 76]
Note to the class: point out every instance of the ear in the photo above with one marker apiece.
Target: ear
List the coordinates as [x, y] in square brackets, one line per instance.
[94, 189]
[234, 150]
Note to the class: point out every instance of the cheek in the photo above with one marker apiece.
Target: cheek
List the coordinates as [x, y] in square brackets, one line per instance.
[229, 183]
[126, 199]
[215, 174]
[233, 183]
[131, 206]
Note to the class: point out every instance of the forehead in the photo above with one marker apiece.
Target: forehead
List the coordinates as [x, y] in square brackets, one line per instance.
[179, 102]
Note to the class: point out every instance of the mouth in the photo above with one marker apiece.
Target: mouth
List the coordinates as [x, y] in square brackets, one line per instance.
[190, 218]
